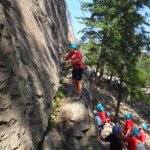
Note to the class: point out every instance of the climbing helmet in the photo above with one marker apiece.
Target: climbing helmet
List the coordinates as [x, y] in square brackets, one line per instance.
[127, 116]
[136, 132]
[116, 129]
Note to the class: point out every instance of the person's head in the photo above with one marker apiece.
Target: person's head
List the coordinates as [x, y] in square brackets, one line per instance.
[108, 113]
[101, 108]
[142, 126]
[127, 116]
[135, 132]
[115, 130]
[95, 112]
[73, 47]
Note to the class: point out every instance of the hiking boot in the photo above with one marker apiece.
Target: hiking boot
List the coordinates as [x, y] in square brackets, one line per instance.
[78, 97]
[74, 96]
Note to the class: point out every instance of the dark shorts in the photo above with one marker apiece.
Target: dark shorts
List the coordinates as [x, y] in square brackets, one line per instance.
[77, 73]
[100, 127]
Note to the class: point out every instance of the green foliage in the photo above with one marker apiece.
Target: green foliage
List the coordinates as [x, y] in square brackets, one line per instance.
[50, 124]
[143, 64]
[56, 104]
[135, 80]
[59, 94]
[57, 101]
[54, 114]
[92, 53]
[67, 67]
[140, 95]
[117, 26]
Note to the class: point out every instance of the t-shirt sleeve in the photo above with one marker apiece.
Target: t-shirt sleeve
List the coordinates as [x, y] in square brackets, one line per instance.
[109, 138]
[69, 55]
[78, 55]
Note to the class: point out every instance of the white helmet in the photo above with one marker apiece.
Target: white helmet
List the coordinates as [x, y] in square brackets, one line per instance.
[95, 112]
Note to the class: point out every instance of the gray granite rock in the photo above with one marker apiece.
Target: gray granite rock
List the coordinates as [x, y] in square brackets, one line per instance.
[31, 33]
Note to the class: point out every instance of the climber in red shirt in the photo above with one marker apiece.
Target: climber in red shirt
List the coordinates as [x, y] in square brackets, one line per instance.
[102, 114]
[128, 125]
[75, 59]
[142, 136]
[132, 141]
[108, 117]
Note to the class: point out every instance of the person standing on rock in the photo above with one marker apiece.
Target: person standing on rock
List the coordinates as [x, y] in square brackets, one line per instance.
[128, 125]
[102, 114]
[142, 136]
[75, 58]
[99, 121]
[132, 141]
[108, 119]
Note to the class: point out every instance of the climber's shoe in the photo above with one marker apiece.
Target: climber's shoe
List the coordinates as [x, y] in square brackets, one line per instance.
[73, 97]
[78, 97]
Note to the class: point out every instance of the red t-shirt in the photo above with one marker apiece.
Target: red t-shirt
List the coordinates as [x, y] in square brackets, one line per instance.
[108, 118]
[102, 115]
[74, 56]
[132, 142]
[142, 137]
[128, 125]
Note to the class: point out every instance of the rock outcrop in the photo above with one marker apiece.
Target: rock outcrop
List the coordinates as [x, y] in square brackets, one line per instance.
[75, 127]
[32, 32]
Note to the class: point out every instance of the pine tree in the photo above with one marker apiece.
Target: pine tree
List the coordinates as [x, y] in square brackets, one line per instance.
[117, 26]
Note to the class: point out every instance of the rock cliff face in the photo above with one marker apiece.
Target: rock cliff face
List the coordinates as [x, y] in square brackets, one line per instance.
[75, 127]
[31, 33]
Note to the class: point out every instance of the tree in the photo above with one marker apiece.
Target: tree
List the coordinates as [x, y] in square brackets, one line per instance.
[117, 26]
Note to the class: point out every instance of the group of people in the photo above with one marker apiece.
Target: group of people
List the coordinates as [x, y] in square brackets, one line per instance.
[122, 137]
[133, 139]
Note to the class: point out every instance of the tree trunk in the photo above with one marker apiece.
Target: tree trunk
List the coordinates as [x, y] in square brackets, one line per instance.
[119, 101]
[96, 72]
[97, 68]
[110, 77]
[101, 74]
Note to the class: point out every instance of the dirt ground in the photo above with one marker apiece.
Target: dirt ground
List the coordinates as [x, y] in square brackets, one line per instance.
[107, 97]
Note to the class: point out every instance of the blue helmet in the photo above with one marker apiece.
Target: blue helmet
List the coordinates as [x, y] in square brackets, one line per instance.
[101, 108]
[136, 132]
[108, 113]
[144, 126]
[116, 129]
[74, 45]
[127, 116]
[99, 105]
